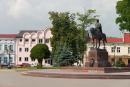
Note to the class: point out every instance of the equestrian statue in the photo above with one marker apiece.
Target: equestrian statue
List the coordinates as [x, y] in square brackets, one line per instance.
[98, 35]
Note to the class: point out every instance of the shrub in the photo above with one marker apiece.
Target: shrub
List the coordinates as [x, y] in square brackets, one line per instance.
[120, 63]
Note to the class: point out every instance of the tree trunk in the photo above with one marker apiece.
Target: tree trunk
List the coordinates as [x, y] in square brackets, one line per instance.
[40, 63]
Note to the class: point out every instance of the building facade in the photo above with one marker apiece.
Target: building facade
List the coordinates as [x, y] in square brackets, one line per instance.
[7, 49]
[26, 40]
[15, 48]
[117, 48]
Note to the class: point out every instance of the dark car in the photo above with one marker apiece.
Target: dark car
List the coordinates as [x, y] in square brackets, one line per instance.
[24, 65]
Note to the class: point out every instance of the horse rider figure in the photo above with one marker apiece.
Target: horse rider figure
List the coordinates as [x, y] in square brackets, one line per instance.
[98, 27]
[98, 35]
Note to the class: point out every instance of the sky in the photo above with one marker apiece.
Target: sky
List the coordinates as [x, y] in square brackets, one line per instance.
[16, 15]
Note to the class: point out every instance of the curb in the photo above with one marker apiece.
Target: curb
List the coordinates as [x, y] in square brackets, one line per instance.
[76, 76]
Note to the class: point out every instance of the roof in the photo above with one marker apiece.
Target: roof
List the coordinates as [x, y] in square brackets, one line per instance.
[8, 35]
[114, 40]
[20, 34]
[126, 37]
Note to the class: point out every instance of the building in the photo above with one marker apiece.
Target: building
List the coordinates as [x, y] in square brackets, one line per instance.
[118, 48]
[15, 48]
[26, 40]
[7, 48]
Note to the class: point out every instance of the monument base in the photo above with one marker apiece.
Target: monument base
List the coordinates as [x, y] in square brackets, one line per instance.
[97, 58]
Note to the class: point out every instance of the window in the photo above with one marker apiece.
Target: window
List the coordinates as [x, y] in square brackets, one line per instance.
[33, 40]
[128, 49]
[112, 49]
[128, 61]
[46, 40]
[11, 60]
[20, 49]
[20, 59]
[20, 40]
[26, 40]
[5, 60]
[11, 47]
[33, 59]
[40, 40]
[26, 58]
[26, 49]
[118, 49]
[46, 61]
[5, 47]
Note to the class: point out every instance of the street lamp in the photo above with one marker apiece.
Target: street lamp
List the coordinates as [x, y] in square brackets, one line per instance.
[114, 55]
[8, 52]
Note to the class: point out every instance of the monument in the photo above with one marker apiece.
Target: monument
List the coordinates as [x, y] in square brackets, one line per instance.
[97, 57]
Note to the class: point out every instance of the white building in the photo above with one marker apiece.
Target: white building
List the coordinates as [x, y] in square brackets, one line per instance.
[7, 48]
[26, 40]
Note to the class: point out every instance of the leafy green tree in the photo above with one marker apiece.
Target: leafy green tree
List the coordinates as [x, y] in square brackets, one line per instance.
[70, 35]
[65, 57]
[64, 32]
[81, 45]
[40, 52]
[123, 11]
[85, 19]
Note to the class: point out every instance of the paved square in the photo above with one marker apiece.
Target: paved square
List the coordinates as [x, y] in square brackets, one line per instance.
[11, 78]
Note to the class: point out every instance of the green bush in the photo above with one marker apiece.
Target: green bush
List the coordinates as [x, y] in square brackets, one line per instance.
[120, 63]
[39, 66]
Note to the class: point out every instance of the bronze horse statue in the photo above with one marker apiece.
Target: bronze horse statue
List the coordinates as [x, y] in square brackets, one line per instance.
[97, 37]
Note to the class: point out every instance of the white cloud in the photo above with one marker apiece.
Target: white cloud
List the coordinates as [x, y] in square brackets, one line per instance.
[24, 13]
[18, 8]
[22, 8]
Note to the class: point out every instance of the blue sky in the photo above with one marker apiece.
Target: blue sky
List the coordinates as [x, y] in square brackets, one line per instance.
[16, 15]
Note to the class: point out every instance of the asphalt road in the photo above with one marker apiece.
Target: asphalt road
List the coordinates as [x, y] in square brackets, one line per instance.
[11, 78]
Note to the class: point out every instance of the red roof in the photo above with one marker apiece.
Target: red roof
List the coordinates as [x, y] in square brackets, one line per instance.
[127, 37]
[8, 35]
[114, 40]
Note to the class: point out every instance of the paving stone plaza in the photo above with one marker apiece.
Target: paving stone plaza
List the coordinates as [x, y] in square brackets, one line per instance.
[13, 78]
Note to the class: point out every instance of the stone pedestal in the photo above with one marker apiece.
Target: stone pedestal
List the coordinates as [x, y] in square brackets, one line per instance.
[97, 58]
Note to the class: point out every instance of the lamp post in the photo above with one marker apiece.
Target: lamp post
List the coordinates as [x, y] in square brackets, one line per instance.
[8, 52]
[114, 55]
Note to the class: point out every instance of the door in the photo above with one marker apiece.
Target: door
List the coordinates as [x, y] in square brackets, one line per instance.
[129, 62]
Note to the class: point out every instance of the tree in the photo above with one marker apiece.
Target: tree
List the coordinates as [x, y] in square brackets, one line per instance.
[85, 21]
[40, 52]
[64, 33]
[65, 57]
[87, 18]
[70, 35]
[123, 11]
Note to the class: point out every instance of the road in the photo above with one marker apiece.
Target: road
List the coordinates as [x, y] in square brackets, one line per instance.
[11, 78]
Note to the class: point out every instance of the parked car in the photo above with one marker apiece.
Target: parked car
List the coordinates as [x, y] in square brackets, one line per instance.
[7, 65]
[24, 65]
